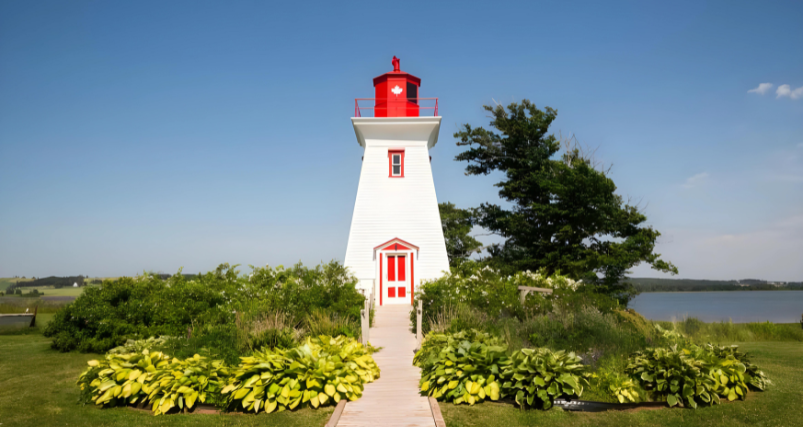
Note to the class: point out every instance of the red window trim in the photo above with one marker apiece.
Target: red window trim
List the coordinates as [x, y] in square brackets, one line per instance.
[390, 163]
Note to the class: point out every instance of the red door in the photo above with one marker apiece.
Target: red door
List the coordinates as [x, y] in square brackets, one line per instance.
[397, 288]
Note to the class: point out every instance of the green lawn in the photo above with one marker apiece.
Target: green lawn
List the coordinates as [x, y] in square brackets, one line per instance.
[37, 388]
[781, 405]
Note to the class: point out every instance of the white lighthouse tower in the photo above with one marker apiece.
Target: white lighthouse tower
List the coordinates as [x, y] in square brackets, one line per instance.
[396, 239]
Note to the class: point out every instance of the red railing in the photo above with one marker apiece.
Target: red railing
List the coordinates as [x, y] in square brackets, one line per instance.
[432, 105]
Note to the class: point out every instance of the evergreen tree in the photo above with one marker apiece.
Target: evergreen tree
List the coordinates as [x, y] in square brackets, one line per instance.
[457, 224]
[566, 215]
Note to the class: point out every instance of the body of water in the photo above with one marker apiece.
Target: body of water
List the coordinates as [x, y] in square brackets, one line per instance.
[738, 306]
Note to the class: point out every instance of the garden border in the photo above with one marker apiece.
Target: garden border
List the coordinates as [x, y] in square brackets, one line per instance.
[436, 412]
[333, 420]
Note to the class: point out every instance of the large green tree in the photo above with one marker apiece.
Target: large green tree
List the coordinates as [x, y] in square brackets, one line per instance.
[565, 214]
[457, 224]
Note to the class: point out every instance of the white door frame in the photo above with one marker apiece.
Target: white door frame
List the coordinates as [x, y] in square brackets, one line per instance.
[396, 247]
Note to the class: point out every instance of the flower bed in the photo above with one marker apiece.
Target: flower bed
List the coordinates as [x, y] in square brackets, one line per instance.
[322, 371]
[472, 366]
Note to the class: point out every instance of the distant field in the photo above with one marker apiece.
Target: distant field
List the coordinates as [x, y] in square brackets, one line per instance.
[53, 292]
[8, 281]
[50, 291]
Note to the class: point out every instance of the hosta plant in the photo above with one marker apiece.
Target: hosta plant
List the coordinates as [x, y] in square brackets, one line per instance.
[536, 377]
[461, 368]
[729, 378]
[695, 375]
[753, 377]
[182, 383]
[322, 371]
[621, 387]
[136, 346]
[681, 376]
[120, 379]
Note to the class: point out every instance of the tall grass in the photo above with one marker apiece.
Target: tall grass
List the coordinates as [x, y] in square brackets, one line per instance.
[725, 332]
[321, 322]
[588, 332]
[454, 318]
[9, 305]
[269, 329]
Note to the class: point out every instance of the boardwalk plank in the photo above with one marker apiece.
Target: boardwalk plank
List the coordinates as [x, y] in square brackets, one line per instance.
[392, 400]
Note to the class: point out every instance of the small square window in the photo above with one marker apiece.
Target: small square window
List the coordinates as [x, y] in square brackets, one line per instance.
[396, 164]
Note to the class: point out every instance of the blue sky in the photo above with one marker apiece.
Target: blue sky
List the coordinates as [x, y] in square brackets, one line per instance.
[154, 135]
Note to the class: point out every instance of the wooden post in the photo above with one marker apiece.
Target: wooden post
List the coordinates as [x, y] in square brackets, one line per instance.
[365, 321]
[33, 319]
[524, 290]
[418, 316]
[373, 294]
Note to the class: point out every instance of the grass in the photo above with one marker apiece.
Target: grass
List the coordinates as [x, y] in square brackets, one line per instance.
[700, 331]
[19, 305]
[779, 406]
[37, 388]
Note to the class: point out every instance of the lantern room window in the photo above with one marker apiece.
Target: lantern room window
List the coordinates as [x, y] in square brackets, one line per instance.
[396, 163]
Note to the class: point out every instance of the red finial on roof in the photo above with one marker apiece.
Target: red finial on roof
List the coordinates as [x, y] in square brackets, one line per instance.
[396, 64]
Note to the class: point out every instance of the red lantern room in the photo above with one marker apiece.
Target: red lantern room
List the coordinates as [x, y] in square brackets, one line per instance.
[396, 93]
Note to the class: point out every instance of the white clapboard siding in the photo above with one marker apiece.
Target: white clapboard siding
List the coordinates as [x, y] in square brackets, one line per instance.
[404, 208]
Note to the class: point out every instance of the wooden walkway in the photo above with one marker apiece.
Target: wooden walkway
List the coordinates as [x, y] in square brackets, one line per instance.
[392, 400]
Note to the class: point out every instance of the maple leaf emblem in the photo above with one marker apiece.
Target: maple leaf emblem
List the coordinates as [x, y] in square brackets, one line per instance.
[397, 90]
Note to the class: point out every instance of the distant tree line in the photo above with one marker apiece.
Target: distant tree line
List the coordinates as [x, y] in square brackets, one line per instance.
[62, 282]
[56, 282]
[693, 285]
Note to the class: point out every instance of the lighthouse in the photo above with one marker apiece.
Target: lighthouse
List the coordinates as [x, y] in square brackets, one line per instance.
[396, 240]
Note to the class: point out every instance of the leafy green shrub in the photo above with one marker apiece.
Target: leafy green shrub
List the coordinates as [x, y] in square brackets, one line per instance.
[214, 341]
[461, 367]
[619, 386]
[471, 366]
[673, 374]
[136, 346]
[183, 382]
[322, 371]
[539, 376]
[106, 316]
[134, 308]
[694, 375]
[753, 376]
[120, 379]
[470, 284]
[496, 295]
[328, 287]
[126, 379]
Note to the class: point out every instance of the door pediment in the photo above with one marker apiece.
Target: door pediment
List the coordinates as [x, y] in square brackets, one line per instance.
[396, 244]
